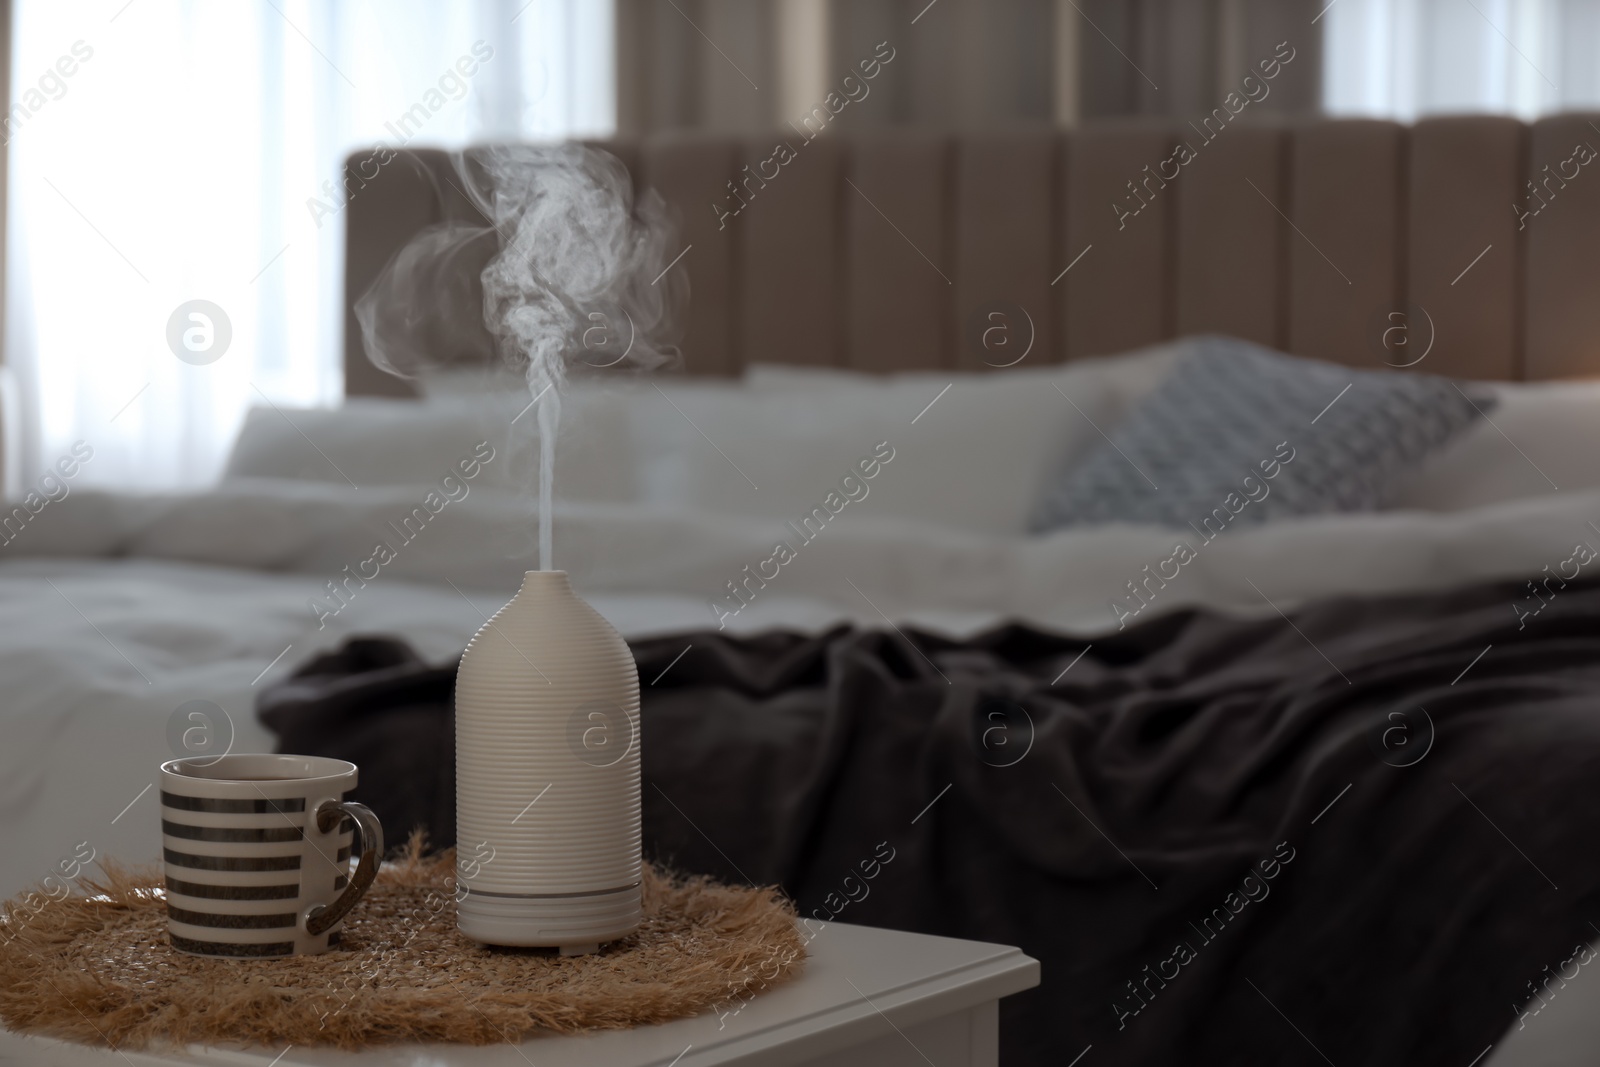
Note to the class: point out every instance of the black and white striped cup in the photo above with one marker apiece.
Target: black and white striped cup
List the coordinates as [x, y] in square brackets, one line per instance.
[257, 851]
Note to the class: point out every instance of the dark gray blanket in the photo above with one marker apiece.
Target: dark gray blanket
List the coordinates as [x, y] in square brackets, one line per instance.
[1227, 842]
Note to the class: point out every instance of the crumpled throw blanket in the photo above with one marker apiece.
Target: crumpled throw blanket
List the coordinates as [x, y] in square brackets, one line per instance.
[1360, 837]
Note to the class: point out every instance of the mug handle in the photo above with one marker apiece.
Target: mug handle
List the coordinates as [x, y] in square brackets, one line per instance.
[322, 918]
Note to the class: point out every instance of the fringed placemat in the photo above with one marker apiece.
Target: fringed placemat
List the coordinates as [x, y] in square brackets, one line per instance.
[98, 969]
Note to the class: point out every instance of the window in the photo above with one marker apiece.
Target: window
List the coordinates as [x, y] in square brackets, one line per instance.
[1404, 59]
[165, 153]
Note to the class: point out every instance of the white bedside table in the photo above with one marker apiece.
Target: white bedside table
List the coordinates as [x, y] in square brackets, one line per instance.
[868, 998]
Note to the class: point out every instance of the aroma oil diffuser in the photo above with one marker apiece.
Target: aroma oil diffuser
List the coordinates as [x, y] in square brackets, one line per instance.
[547, 775]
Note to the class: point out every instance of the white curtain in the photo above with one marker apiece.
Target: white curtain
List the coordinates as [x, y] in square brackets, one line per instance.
[1404, 59]
[164, 152]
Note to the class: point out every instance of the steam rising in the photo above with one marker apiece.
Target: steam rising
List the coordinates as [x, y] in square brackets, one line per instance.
[566, 249]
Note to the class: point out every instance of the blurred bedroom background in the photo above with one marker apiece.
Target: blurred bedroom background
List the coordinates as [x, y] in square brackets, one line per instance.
[1067, 655]
[217, 176]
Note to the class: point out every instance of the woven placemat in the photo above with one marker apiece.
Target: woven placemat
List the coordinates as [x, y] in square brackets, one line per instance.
[98, 968]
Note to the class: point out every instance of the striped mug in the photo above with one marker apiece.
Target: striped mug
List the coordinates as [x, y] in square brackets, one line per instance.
[257, 851]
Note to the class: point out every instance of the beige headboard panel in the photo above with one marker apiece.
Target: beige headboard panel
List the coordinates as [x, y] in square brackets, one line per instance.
[898, 251]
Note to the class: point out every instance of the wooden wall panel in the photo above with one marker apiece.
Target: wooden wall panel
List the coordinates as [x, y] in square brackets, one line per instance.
[1116, 295]
[692, 172]
[1005, 205]
[381, 216]
[899, 307]
[626, 149]
[1562, 281]
[1345, 256]
[886, 252]
[1463, 251]
[1230, 240]
[789, 239]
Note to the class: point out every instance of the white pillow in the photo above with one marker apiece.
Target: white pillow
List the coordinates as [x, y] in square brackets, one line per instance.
[372, 441]
[1117, 380]
[974, 460]
[1542, 437]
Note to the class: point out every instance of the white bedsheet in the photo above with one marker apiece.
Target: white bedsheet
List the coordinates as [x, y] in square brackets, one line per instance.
[116, 610]
[98, 655]
[860, 565]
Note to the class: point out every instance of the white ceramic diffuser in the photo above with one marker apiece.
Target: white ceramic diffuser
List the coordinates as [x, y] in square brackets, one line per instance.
[547, 775]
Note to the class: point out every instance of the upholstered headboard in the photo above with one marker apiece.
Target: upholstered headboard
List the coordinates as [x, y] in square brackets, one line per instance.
[1475, 239]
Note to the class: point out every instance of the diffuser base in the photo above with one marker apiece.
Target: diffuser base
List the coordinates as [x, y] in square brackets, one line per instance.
[575, 924]
[580, 950]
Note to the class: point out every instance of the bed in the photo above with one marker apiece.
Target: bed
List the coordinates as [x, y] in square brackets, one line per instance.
[973, 306]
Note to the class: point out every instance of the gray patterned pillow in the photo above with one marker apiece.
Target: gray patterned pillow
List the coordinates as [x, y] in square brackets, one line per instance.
[1240, 433]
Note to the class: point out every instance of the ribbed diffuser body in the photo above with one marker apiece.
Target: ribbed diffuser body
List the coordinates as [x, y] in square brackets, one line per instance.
[547, 775]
